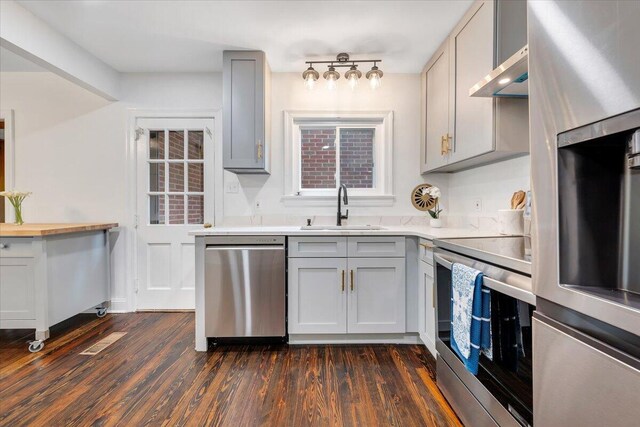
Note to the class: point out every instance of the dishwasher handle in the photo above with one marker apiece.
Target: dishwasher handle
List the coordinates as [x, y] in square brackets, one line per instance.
[244, 247]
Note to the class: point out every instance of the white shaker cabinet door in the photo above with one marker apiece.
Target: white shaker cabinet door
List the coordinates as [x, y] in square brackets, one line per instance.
[472, 49]
[17, 289]
[317, 295]
[427, 301]
[377, 295]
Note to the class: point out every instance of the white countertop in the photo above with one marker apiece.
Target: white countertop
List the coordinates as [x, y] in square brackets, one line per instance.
[417, 231]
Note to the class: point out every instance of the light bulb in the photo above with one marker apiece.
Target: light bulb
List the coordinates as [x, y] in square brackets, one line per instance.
[310, 82]
[353, 81]
[331, 82]
[374, 81]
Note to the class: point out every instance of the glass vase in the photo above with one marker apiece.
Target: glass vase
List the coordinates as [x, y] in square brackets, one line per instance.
[18, 214]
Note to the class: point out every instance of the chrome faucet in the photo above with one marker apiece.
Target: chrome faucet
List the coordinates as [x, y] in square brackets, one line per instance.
[346, 202]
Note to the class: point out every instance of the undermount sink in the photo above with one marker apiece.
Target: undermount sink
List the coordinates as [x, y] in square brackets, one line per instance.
[342, 227]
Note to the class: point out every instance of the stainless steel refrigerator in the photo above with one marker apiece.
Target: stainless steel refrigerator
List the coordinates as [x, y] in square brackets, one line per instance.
[584, 94]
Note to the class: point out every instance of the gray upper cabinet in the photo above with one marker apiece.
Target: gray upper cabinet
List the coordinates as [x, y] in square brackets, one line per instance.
[246, 113]
[436, 108]
[476, 130]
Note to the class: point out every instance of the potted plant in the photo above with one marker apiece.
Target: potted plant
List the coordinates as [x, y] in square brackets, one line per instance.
[435, 220]
[16, 198]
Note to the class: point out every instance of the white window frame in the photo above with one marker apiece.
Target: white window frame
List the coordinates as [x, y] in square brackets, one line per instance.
[380, 195]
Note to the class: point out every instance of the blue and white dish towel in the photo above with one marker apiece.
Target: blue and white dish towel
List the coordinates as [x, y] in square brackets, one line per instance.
[470, 316]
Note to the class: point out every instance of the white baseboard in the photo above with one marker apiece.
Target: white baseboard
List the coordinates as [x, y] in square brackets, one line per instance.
[119, 305]
[301, 339]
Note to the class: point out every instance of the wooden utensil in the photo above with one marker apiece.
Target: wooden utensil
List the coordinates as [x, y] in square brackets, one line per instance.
[518, 200]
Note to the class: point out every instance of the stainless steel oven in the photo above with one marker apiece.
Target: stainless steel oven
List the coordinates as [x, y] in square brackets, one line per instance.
[502, 391]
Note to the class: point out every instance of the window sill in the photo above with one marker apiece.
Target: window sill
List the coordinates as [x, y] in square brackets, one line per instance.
[354, 200]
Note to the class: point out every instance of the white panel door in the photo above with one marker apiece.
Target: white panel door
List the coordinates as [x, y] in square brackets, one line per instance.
[317, 295]
[174, 195]
[377, 295]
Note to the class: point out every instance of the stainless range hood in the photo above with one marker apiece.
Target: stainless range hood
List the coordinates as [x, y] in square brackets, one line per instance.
[508, 80]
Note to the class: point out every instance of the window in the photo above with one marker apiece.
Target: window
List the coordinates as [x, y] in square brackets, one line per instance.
[182, 194]
[324, 151]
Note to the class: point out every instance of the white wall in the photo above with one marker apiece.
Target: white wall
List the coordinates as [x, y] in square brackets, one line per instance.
[399, 93]
[71, 150]
[493, 184]
[71, 147]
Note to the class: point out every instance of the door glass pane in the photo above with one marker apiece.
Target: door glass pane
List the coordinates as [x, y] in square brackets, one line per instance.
[195, 210]
[156, 210]
[176, 177]
[176, 209]
[356, 157]
[196, 142]
[196, 177]
[176, 144]
[156, 177]
[156, 144]
[318, 157]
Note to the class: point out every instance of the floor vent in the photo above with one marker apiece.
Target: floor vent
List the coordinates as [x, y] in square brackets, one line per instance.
[103, 343]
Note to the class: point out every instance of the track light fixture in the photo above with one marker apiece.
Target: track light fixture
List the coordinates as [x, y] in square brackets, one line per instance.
[331, 76]
[374, 75]
[353, 75]
[310, 77]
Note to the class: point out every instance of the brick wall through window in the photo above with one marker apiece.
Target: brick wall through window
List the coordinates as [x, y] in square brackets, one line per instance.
[356, 157]
[318, 157]
[183, 176]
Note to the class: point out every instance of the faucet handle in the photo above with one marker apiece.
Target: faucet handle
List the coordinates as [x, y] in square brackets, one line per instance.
[308, 222]
[346, 216]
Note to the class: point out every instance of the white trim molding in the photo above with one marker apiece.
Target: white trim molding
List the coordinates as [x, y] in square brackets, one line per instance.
[9, 159]
[381, 195]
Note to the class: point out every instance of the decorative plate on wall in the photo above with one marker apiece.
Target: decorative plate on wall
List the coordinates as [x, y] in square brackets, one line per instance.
[421, 199]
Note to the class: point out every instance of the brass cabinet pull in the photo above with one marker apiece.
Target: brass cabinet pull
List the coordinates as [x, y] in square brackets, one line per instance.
[259, 149]
[352, 281]
[343, 280]
[426, 245]
[445, 145]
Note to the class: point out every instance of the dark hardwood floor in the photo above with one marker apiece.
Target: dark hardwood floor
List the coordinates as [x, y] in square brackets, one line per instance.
[153, 376]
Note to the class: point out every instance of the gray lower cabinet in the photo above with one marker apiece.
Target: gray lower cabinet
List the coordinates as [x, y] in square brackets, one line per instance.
[17, 289]
[246, 114]
[332, 293]
[47, 279]
[426, 297]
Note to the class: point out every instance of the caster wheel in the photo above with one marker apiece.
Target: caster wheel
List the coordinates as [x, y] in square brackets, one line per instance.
[101, 312]
[36, 346]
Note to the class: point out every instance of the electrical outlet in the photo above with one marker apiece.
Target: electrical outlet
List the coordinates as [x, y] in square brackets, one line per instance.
[257, 206]
[477, 205]
[232, 187]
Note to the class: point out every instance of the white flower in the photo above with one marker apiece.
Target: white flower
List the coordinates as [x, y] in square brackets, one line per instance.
[12, 194]
[434, 192]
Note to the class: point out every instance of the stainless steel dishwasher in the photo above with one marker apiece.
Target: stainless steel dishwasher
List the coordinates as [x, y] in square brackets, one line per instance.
[245, 287]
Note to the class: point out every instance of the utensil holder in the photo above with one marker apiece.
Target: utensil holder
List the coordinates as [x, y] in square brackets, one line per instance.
[511, 222]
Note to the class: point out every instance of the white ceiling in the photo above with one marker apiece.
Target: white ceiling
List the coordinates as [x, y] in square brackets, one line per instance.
[189, 36]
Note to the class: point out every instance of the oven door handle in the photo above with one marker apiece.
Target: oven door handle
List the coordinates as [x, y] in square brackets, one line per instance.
[496, 285]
